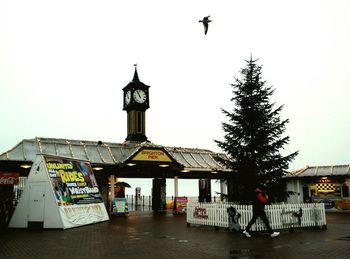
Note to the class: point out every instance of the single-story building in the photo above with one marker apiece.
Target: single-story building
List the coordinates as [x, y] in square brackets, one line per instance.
[327, 184]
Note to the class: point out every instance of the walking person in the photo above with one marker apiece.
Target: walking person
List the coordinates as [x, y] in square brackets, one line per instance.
[259, 203]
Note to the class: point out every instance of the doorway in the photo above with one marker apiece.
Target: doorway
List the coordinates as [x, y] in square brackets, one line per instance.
[36, 205]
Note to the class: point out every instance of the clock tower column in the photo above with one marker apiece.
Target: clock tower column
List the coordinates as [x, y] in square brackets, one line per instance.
[136, 102]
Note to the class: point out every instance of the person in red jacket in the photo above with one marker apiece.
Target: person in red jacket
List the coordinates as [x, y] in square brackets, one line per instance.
[261, 198]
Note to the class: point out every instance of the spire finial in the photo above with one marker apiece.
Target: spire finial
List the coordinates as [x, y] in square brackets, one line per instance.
[136, 76]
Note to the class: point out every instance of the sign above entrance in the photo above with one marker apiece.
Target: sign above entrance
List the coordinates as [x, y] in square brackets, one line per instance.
[153, 155]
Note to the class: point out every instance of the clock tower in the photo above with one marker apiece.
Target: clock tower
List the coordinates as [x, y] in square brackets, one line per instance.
[136, 102]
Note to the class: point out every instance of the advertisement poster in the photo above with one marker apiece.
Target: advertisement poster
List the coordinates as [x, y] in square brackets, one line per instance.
[120, 205]
[181, 204]
[7, 178]
[73, 181]
[73, 215]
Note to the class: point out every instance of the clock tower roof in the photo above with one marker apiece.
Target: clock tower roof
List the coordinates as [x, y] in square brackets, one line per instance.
[136, 76]
[136, 83]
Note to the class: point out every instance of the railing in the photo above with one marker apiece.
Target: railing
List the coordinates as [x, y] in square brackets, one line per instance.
[281, 216]
[145, 203]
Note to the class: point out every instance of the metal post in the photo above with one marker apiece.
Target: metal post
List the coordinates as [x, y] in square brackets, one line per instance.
[298, 191]
[176, 189]
[112, 192]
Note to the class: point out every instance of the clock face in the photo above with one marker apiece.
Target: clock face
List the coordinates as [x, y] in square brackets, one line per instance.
[127, 97]
[139, 96]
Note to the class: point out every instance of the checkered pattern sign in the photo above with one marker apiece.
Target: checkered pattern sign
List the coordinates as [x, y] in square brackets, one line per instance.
[327, 187]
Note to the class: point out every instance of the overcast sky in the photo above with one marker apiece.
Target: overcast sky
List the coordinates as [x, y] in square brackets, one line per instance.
[63, 65]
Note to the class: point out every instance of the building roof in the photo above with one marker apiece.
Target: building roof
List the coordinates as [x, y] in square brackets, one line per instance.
[316, 171]
[107, 153]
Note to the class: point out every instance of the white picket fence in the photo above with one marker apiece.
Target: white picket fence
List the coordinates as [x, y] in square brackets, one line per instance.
[281, 216]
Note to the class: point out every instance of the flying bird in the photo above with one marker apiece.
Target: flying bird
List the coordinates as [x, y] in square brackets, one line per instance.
[205, 22]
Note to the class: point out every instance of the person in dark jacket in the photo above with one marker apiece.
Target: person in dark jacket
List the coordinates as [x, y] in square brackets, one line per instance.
[261, 198]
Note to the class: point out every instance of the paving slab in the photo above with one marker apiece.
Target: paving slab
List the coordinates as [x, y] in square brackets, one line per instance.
[164, 235]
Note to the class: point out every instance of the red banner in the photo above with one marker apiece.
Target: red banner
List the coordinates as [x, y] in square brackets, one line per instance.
[9, 178]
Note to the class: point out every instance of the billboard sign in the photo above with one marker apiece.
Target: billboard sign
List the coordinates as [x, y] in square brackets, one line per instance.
[61, 193]
[73, 181]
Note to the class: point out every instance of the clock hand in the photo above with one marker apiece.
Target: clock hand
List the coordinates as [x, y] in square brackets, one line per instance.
[138, 93]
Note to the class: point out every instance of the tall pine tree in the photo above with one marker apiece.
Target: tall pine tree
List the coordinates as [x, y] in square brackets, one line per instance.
[254, 138]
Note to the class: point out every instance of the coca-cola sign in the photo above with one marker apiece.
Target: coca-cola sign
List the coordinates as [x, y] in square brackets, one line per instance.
[9, 178]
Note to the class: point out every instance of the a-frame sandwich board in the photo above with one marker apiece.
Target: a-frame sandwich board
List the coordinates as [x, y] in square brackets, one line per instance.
[60, 193]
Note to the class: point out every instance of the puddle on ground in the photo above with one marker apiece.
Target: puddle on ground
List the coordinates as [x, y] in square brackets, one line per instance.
[346, 238]
[243, 254]
[278, 246]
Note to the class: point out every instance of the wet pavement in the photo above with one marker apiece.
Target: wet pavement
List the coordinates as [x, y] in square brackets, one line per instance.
[149, 235]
